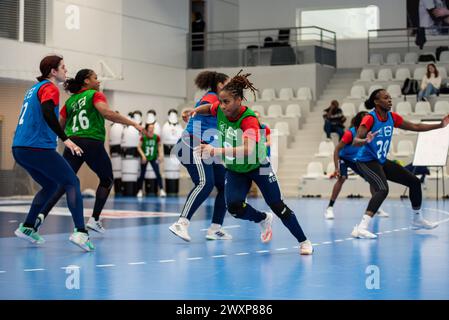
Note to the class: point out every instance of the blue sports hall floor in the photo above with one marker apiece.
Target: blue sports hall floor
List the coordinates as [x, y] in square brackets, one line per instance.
[139, 258]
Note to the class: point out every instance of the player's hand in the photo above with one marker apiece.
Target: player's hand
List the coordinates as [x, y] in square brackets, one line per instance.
[144, 161]
[139, 128]
[445, 121]
[335, 174]
[73, 148]
[207, 151]
[185, 115]
[440, 12]
[370, 136]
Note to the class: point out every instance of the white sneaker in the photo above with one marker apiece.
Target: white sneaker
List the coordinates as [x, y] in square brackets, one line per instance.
[305, 248]
[95, 225]
[381, 213]
[162, 193]
[362, 233]
[420, 223]
[329, 214]
[265, 226]
[82, 240]
[218, 234]
[180, 229]
[140, 194]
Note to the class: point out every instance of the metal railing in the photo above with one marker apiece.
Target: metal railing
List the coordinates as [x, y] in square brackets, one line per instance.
[254, 47]
[405, 40]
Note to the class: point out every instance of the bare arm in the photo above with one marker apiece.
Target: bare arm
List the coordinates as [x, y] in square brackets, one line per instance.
[113, 116]
[337, 150]
[418, 127]
[244, 150]
[203, 109]
[142, 154]
[363, 136]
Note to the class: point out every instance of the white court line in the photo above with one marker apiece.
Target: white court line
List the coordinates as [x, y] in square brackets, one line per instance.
[166, 261]
[339, 240]
[105, 265]
[263, 251]
[195, 258]
[295, 247]
[107, 213]
[136, 263]
[220, 256]
[326, 242]
[281, 249]
[13, 221]
[71, 267]
[32, 270]
[347, 239]
[225, 227]
[242, 253]
[315, 244]
[1, 271]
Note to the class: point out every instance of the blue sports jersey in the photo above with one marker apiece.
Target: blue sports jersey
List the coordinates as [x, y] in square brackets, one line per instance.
[349, 152]
[379, 147]
[200, 123]
[32, 130]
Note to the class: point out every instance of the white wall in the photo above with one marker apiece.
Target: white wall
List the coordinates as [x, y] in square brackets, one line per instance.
[255, 14]
[222, 15]
[142, 41]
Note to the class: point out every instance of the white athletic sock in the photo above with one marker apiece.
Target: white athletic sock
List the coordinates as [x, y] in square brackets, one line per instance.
[365, 221]
[215, 226]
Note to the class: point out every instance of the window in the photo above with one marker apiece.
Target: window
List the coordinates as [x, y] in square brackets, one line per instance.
[352, 23]
[23, 20]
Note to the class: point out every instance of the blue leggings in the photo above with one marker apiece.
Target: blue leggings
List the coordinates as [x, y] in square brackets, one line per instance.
[50, 171]
[237, 186]
[205, 177]
[143, 170]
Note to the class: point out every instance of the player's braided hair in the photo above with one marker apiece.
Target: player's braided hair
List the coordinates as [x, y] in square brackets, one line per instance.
[239, 83]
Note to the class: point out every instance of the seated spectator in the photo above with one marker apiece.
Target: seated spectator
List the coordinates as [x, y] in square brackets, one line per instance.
[334, 120]
[430, 83]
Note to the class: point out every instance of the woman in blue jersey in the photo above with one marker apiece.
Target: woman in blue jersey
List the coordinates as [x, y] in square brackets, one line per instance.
[34, 148]
[344, 158]
[374, 134]
[205, 175]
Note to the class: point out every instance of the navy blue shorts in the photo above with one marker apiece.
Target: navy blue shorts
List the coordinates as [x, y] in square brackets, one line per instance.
[345, 164]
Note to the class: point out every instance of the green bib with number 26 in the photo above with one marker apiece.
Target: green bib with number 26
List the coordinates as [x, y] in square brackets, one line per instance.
[83, 119]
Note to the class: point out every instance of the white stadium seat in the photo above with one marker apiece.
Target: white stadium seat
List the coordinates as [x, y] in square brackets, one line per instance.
[268, 94]
[402, 74]
[385, 75]
[275, 111]
[411, 58]
[286, 94]
[394, 90]
[304, 93]
[357, 92]
[393, 58]
[404, 108]
[367, 75]
[348, 109]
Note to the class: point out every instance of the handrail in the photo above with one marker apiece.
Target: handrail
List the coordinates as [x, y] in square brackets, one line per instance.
[313, 43]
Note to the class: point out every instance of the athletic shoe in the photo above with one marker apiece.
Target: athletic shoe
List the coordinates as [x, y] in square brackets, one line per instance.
[361, 233]
[162, 193]
[420, 223]
[265, 226]
[95, 225]
[29, 234]
[218, 234]
[82, 240]
[180, 228]
[329, 214]
[382, 214]
[140, 194]
[305, 248]
[39, 220]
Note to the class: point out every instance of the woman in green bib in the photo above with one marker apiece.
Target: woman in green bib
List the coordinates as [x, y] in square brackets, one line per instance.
[244, 154]
[82, 119]
[150, 150]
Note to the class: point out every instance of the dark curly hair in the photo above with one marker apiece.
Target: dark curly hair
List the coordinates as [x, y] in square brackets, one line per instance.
[239, 83]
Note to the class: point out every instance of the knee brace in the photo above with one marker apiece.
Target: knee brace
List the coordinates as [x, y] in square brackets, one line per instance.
[281, 210]
[237, 209]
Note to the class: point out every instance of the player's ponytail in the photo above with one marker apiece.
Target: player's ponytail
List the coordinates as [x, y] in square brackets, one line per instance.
[370, 104]
[74, 85]
[239, 83]
[47, 64]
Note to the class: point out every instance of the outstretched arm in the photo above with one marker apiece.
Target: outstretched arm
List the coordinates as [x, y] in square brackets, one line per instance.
[406, 125]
